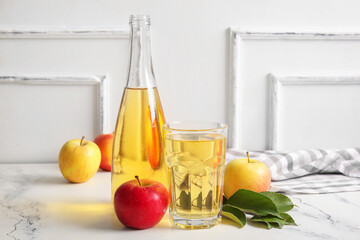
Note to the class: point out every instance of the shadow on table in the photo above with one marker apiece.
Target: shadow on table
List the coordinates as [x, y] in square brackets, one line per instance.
[51, 180]
[100, 216]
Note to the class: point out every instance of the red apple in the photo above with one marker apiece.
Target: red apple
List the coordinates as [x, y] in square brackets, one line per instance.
[247, 174]
[105, 143]
[141, 203]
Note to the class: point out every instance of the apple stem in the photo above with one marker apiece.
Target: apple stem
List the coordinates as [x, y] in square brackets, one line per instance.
[247, 153]
[82, 140]
[137, 178]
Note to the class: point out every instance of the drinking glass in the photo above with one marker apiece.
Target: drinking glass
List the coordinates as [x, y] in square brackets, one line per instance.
[195, 155]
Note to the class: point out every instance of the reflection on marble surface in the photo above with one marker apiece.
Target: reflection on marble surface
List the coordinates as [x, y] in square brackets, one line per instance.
[36, 202]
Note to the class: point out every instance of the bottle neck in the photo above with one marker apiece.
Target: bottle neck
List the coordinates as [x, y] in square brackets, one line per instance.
[141, 73]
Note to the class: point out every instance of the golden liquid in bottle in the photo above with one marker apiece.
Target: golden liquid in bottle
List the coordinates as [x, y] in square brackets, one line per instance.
[138, 143]
[196, 163]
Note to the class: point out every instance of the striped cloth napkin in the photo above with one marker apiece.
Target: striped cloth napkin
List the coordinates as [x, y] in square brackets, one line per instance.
[310, 171]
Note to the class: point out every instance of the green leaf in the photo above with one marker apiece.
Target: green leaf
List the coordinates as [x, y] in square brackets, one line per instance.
[267, 224]
[234, 214]
[269, 220]
[253, 202]
[288, 219]
[282, 202]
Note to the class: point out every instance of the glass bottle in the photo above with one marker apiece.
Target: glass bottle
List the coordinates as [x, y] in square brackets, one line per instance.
[138, 143]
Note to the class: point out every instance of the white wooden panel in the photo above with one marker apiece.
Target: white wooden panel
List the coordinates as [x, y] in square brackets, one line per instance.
[190, 51]
[65, 61]
[314, 111]
[256, 52]
[40, 113]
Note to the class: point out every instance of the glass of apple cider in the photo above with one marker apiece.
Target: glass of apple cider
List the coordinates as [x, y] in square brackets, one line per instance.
[195, 157]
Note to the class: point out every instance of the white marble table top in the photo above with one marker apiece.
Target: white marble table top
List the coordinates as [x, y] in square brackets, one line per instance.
[36, 202]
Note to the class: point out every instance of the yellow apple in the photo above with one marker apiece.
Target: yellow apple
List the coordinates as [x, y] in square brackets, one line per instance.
[79, 160]
[247, 174]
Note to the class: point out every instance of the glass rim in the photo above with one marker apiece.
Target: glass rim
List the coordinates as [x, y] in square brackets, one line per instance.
[167, 127]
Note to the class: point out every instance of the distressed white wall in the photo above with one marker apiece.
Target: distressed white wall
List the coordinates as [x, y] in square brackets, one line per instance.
[190, 43]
